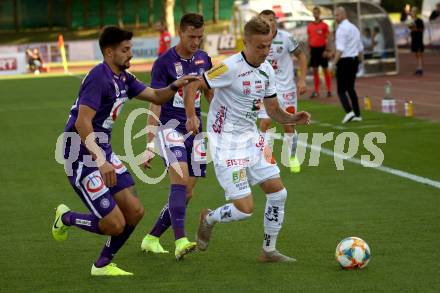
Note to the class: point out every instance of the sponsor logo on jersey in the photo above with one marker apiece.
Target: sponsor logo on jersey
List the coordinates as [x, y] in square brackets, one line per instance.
[237, 162]
[279, 50]
[246, 87]
[179, 69]
[218, 71]
[239, 176]
[199, 62]
[220, 118]
[256, 105]
[243, 74]
[117, 164]
[94, 185]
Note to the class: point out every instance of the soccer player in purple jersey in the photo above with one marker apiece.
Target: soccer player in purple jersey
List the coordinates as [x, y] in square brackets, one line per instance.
[184, 156]
[104, 184]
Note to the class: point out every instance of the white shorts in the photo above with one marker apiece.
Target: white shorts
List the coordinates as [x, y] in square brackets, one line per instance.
[288, 102]
[237, 175]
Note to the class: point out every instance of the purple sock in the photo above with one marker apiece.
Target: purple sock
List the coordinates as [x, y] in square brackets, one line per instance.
[114, 243]
[177, 208]
[88, 222]
[162, 222]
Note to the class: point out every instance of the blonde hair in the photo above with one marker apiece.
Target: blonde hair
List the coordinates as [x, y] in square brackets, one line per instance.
[256, 26]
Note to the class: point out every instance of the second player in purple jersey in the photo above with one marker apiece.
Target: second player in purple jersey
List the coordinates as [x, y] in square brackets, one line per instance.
[183, 153]
[169, 67]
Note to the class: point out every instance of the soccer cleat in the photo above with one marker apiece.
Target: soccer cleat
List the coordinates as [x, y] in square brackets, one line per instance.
[151, 243]
[348, 117]
[110, 270]
[274, 256]
[329, 94]
[204, 231]
[357, 118]
[183, 247]
[295, 166]
[59, 229]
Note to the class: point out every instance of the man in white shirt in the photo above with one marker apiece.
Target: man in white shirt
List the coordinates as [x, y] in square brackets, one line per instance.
[283, 48]
[348, 53]
[378, 43]
[241, 158]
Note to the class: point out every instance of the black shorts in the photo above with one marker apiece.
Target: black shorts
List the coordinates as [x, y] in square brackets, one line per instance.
[316, 58]
[417, 47]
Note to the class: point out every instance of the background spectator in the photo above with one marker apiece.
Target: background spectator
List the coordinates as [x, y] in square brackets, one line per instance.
[164, 38]
[435, 13]
[417, 47]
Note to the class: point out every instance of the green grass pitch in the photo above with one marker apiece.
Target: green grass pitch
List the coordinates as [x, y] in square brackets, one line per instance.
[399, 218]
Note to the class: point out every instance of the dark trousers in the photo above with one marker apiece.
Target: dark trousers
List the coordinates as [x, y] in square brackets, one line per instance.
[346, 70]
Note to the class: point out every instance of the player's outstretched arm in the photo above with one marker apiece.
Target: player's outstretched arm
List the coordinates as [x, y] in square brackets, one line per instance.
[302, 62]
[161, 96]
[189, 94]
[276, 113]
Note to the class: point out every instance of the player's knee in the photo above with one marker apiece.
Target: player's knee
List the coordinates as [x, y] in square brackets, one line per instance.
[138, 214]
[113, 228]
[135, 215]
[246, 211]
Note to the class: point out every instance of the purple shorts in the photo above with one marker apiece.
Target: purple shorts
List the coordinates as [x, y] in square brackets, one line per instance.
[90, 187]
[175, 146]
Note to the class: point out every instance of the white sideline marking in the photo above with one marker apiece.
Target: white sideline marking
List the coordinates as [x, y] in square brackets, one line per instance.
[382, 168]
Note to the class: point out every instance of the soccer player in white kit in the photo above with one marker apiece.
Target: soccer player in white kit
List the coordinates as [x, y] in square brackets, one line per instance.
[280, 57]
[242, 82]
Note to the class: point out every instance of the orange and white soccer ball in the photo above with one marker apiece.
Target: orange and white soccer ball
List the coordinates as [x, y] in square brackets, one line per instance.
[353, 252]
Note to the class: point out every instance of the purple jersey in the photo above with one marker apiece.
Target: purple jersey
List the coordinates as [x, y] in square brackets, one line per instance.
[105, 92]
[169, 67]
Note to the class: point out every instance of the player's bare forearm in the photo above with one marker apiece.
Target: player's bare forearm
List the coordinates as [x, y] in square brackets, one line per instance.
[276, 113]
[163, 95]
[209, 94]
[337, 56]
[302, 62]
[189, 95]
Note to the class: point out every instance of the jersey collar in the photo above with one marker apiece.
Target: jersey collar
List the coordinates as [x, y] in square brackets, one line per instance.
[244, 57]
[173, 49]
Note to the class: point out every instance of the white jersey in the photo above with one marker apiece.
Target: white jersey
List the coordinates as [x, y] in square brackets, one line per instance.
[283, 44]
[239, 91]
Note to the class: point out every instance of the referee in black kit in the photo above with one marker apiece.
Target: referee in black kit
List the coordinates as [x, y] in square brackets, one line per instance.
[348, 54]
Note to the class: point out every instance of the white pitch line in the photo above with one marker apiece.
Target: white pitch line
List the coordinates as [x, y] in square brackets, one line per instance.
[382, 168]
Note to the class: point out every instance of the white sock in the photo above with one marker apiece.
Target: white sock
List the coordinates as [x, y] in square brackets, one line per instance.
[226, 213]
[292, 142]
[273, 218]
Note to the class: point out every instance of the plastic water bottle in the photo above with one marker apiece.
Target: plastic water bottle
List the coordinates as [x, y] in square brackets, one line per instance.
[367, 103]
[409, 108]
[388, 102]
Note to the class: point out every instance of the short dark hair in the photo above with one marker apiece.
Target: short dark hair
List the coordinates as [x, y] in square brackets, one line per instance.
[112, 36]
[267, 12]
[191, 19]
